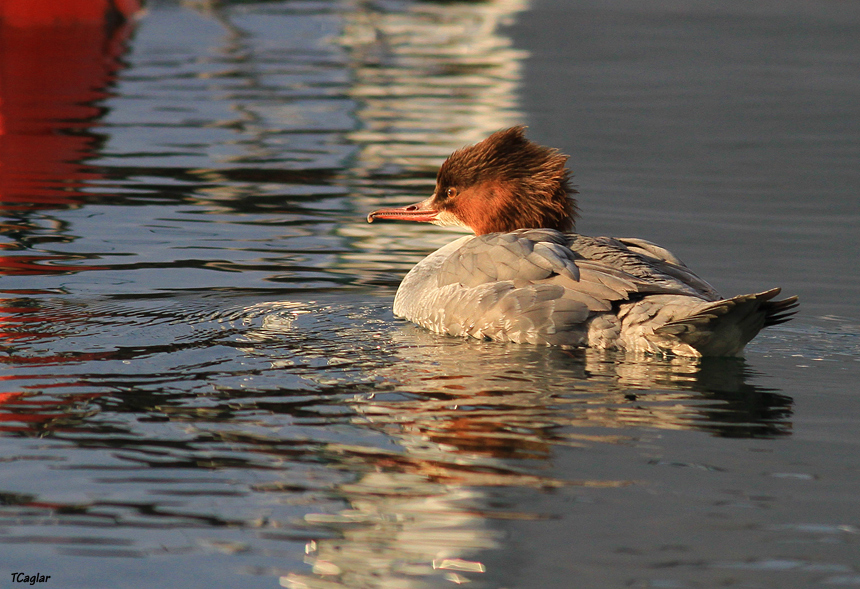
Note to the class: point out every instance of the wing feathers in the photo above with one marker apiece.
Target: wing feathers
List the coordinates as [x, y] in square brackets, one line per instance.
[542, 286]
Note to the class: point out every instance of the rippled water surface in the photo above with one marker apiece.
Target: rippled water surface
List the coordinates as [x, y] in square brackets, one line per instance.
[203, 384]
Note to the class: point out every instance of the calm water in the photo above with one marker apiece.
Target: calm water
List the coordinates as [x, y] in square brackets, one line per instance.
[203, 383]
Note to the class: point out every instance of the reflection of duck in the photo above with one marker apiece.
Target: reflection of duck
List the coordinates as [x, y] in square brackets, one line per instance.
[471, 390]
[525, 278]
[473, 422]
[506, 401]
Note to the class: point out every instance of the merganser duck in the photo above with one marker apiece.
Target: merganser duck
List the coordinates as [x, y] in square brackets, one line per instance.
[525, 276]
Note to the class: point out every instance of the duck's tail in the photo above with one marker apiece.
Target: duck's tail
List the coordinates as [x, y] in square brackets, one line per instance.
[724, 327]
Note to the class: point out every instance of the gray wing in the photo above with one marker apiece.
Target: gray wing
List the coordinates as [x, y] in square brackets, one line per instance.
[668, 264]
[600, 269]
[653, 268]
[537, 285]
[518, 257]
[495, 287]
[524, 286]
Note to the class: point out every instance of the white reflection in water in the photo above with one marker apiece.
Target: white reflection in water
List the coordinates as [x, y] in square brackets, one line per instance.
[427, 80]
[430, 79]
[400, 526]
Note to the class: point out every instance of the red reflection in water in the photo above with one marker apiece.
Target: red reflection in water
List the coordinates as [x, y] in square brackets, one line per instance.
[58, 59]
[22, 410]
[18, 265]
[27, 412]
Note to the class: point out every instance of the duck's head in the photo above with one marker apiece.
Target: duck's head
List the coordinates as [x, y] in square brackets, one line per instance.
[503, 183]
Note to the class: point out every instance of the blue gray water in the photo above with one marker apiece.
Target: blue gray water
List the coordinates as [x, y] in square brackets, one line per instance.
[203, 383]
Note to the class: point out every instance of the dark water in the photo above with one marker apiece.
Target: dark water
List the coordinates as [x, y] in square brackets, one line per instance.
[203, 384]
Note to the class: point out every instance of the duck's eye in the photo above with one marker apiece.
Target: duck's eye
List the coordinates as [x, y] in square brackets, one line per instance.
[451, 192]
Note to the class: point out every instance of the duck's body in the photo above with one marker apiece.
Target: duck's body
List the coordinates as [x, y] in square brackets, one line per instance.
[542, 286]
[548, 285]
